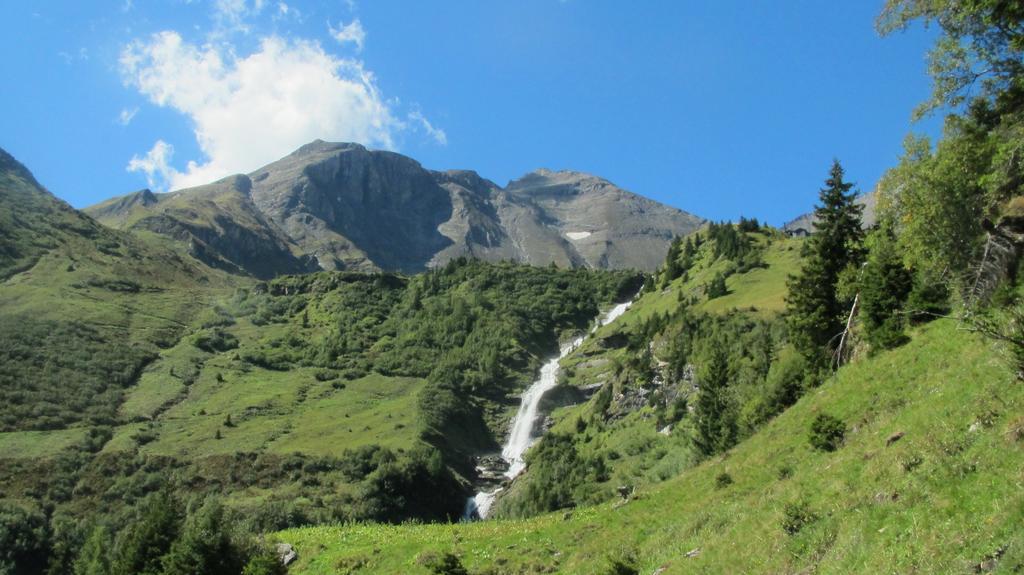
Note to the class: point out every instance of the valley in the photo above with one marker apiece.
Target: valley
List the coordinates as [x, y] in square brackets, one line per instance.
[346, 362]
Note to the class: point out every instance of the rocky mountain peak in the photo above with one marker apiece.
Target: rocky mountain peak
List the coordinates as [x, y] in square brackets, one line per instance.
[344, 206]
[319, 147]
[564, 182]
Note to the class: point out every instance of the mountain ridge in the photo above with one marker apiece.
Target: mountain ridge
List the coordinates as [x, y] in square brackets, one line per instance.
[342, 206]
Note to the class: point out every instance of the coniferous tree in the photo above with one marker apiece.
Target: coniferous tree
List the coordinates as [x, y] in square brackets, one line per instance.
[714, 410]
[204, 546]
[884, 287]
[145, 541]
[672, 267]
[689, 250]
[814, 311]
[717, 287]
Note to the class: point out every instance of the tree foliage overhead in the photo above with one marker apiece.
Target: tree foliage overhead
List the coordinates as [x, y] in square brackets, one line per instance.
[979, 55]
[939, 197]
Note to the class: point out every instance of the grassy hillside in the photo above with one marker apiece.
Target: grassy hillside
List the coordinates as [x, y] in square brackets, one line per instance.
[943, 498]
[82, 308]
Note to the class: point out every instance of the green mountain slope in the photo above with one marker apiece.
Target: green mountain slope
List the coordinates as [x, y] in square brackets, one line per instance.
[942, 498]
[82, 308]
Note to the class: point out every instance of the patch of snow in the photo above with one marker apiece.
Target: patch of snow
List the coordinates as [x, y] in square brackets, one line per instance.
[577, 235]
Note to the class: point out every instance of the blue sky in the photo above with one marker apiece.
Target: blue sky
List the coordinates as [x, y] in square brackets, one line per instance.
[722, 108]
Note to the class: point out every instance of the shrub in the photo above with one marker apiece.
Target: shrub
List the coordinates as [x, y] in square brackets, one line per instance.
[215, 340]
[796, 516]
[723, 480]
[325, 375]
[622, 564]
[24, 541]
[827, 432]
[447, 564]
[264, 562]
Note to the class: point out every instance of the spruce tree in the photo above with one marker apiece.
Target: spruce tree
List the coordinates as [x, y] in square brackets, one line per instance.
[717, 287]
[714, 410]
[205, 545]
[814, 311]
[884, 287]
[672, 267]
[143, 543]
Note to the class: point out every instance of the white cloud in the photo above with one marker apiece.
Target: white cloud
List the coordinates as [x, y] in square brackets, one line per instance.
[127, 115]
[156, 165]
[250, 110]
[437, 134]
[70, 58]
[352, 32]
[230, 15]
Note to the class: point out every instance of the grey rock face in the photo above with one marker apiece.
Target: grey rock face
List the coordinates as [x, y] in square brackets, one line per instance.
[218, 222]
[341, 206]
[599, 224]
[868, 217]
[331, 198]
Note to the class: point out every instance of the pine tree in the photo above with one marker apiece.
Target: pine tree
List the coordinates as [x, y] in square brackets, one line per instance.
[885, 285]
[814, 311]
[714, 410]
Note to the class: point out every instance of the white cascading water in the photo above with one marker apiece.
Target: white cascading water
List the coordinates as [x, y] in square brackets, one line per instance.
[522, 437]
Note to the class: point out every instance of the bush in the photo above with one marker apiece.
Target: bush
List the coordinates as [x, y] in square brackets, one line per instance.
[622, 563]
[723, 480]
[447, 564]
[24, 540]
[264, 562]
[215, 340]
[827, 432]
[796, 516]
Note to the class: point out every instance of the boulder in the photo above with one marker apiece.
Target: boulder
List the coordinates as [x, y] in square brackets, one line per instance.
[286, 553]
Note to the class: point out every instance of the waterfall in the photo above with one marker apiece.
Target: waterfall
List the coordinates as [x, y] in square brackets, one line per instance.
[521, 437]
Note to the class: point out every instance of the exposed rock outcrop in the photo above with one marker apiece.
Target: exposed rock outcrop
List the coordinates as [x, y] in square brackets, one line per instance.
[342, 206]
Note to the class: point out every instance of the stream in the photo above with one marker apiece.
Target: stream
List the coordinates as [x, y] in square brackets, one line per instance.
[522, 435]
